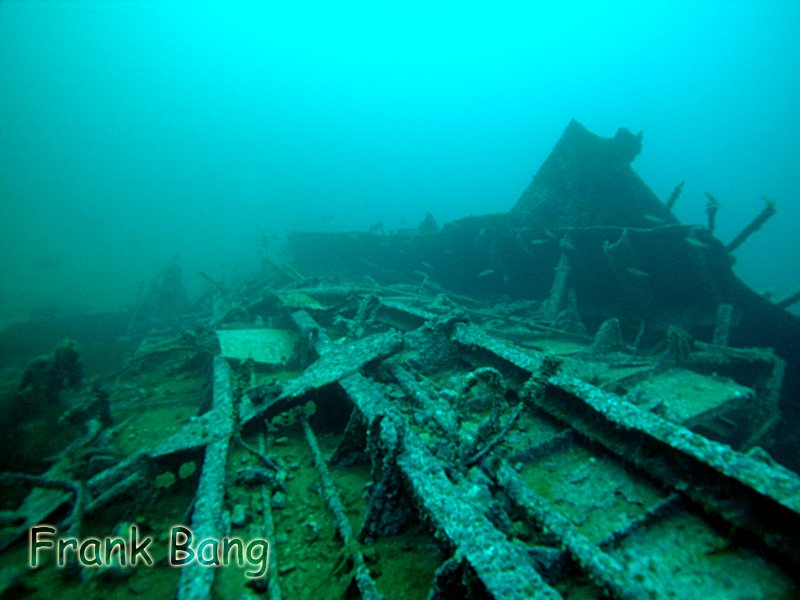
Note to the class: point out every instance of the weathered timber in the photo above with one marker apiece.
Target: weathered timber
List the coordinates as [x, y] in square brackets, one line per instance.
[603, 568]
[629, 257]
[722, 329]
[754, 225]
[758, 497]
[341, 360]
[471, 336]
[673, 197]
[503, 568]
[100, 489]
[558, 291]
[442, 413]
[196, 580]
[363, 579]
[268, 531]
[195, 434]
[761, 498]
[345, 359]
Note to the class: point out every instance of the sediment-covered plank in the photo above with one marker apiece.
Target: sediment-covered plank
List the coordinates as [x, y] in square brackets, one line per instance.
[603, 569]
[196, 580]
[503, 568]
[344, 359]
[361, 575]
[762, 497]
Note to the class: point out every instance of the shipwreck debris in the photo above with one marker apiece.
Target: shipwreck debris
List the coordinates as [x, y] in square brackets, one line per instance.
[628, 258]
[673, 197]
[265, 346]
[712, 208]
[789, 300]
[196, 580]
[756, 224]
[44, 380]
[361, 576]
[722, 329]
[468, 429]
[587, 181]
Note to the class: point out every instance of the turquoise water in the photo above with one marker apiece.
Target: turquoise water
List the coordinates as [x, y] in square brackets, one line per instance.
[133, 132]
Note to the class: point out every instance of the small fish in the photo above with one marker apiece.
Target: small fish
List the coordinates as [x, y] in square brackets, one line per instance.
[696, 243]
[654, 219]
[429, 266]
[537, 242]
[486, 273]
[638, 273]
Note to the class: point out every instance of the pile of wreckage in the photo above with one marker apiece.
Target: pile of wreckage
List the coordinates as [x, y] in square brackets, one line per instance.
[568, 400]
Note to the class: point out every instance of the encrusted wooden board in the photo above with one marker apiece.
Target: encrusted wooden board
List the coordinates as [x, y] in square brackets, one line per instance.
[265, 346]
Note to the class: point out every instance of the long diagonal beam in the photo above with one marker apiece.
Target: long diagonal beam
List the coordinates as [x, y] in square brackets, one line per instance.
[196, 580]
[752, 494]
[503, 568]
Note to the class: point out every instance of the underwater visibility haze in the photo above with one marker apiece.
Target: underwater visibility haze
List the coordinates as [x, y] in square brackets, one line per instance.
[399, 300]
[132, 132]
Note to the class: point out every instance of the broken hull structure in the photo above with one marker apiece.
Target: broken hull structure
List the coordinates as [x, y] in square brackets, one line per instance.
[619, 252]
[401, 432]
